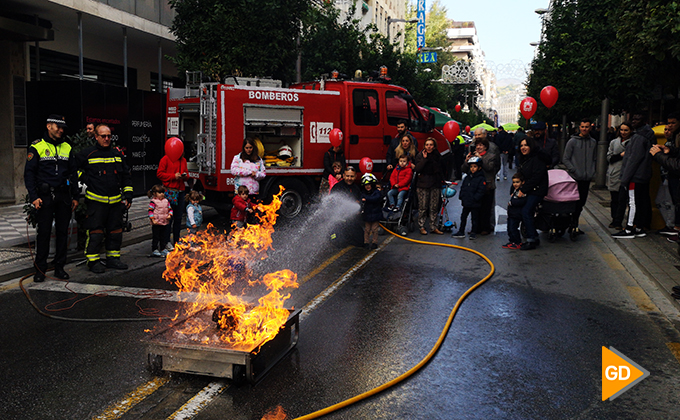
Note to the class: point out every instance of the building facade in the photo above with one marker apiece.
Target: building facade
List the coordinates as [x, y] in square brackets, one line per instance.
[94, 43]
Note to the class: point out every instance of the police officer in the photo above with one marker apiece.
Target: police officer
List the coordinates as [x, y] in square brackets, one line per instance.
[108, 194]
[52, 187]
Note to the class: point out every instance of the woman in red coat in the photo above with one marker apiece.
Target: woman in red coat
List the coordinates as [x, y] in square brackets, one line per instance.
[173, 174]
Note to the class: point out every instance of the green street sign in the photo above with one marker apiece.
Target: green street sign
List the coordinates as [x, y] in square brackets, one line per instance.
[427, 57]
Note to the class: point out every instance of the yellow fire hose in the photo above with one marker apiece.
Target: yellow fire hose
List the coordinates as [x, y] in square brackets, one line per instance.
[432, 352]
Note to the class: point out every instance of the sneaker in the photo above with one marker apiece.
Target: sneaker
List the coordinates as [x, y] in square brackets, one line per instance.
[667, 231]
[116, 264]
[511, 245]
[164, 253]
[458, 235]
[498, 178]
[96, 267]
[38, 277]
[156, 253]
[395, 209]
[169, 247]
[527, 246]
[472, 236]
[640, 233]
[673, 239]
[624, 234]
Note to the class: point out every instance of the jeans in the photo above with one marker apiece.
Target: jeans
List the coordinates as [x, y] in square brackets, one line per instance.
[395, 195]
[176, 223]
[528, 212]
[513, 230]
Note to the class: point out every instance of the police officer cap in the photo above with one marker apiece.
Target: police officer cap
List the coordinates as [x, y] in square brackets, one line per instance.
[539, 125]
[59, 120]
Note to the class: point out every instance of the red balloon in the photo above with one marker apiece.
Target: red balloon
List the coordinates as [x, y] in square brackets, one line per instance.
[366, 165]
[467, 129]
[451, 130]
[336, 137]
[457, 107]
[549, 96]
[528, 107]
[174, 148]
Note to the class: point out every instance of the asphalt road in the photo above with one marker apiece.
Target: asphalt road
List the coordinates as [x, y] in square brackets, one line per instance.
[526, 344]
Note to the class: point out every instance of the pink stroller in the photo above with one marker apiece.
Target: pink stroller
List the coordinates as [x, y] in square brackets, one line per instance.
[556, 213]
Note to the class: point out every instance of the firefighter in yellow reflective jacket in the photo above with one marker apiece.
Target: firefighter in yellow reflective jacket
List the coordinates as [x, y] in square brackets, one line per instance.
[109, 193]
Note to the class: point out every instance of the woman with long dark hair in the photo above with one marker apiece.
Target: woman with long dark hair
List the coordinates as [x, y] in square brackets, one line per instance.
[534, 169]
[428, 167]
[248, 167]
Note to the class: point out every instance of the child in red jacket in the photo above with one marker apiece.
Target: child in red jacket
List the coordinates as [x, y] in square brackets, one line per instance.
[400, 180]
[241, 206]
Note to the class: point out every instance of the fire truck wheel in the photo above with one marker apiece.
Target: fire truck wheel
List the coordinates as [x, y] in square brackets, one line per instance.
[293, 198]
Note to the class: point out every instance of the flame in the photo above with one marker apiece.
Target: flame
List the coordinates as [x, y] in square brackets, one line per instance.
[206, 266]
[275, 414]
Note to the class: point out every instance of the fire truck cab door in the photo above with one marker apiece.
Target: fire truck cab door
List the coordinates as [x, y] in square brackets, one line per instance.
[365, 133]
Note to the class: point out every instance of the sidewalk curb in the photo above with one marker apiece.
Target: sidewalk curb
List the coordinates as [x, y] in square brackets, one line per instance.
[24, 269]
[651, 264]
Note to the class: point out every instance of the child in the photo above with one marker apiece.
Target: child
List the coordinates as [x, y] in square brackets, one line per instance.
[515, 212]
[241, 206]
[336, 176]
[471, 194]
[371, 201]
[160, 213]
[401, 181]
[194, 212]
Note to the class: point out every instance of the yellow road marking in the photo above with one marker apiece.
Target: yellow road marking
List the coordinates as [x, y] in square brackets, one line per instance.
[325, 264]
[641, 299]
[130, 400]
[675, 349]
[612, 261]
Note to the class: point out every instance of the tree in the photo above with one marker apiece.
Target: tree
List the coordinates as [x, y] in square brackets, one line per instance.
[238, 37]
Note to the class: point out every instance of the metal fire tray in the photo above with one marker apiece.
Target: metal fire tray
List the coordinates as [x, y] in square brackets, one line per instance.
[222, 362]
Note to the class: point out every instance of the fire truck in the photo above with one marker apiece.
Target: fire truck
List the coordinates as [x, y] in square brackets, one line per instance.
[213, 119]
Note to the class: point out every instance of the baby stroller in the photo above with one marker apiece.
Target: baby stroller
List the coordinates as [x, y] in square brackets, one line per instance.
[556, 213]
[404, 220]
[443, 222]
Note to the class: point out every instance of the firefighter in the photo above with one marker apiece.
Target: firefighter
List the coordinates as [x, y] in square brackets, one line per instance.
[108, 194]
[52, 187]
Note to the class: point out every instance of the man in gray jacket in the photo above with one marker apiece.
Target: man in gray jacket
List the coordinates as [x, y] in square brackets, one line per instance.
[636, 172]
[579, 158]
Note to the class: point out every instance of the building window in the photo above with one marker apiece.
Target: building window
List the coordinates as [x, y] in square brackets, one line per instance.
[56, 66]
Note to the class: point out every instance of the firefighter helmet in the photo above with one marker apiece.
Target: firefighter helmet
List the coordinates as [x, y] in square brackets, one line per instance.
[368, 178]
[285, 152]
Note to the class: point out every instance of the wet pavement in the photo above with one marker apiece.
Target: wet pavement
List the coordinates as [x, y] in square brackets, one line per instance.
[527, 344]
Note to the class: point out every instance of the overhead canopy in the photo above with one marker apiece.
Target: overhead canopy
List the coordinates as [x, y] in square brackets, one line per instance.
[485, 126]
[439, 118]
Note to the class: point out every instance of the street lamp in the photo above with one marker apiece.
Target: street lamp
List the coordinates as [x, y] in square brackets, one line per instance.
[534, 44]
[390, 21]
[541, 11]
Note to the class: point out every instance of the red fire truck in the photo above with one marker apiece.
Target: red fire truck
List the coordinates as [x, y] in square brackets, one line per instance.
[213, 119]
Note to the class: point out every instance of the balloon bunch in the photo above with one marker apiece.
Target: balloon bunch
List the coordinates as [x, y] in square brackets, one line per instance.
[528, 105]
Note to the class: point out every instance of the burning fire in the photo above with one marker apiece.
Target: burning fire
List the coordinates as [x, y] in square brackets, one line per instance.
[275, 414]
[206, 266]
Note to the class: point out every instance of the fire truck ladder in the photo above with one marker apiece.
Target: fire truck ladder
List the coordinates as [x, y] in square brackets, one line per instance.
[207, 140]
